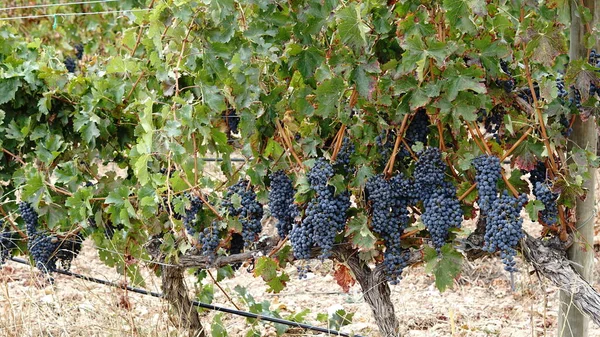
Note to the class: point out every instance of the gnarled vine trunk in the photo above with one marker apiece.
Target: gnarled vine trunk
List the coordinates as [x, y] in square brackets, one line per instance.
[175, 291]
[376, 293]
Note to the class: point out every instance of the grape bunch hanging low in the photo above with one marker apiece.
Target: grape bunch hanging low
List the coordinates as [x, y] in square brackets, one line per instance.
[7, 243]
[70, 64]
[41, 246]
[442, 208]
[504, 228]
[389, 201]
[281, 202]
[549, 215]
[325, 215]
[488, 171]
[46, 249]
[190, 217]
[249, 212]
[209, 239]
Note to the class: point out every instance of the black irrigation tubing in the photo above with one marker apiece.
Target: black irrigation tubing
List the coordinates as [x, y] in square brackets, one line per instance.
[221, 159]
[198, 304]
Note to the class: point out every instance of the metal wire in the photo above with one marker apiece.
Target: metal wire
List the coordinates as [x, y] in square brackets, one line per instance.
[57, 5]
[71, 14]
[198, 304]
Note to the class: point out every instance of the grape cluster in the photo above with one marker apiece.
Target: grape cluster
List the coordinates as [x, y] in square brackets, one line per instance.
[389, 205]
[495, 120]
[232, 120]
[68, 249]
[190, 216]
[442, 208]
[576, 100]
[70, 64]
[538, 174]
[42, 249]
[560, 85]
[209, 239]
[488, 172]
[417, 131]
[250, 211]
[325, 215]
[526, 95]
[429, 172]
[507, 85]
[45, 249]
[236, 246]
[79, 51]
[504, 228]
[549, 215]
[566, 124]
[6, 242]
[29, 216]
[395, 259]
[342, 161]
[389, 201]
[281, 202]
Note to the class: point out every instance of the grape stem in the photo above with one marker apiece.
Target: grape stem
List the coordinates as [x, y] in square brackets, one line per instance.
[288, 143]
[222, 290]
[538, 112]
[13, 225]
[338, 140]
[389, 168]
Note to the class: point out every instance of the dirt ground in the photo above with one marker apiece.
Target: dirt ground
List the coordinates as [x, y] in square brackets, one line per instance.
[481, 303]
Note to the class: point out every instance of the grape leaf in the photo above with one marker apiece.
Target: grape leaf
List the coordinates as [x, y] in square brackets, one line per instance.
[445, 267]
[352, 29]
[343, 277]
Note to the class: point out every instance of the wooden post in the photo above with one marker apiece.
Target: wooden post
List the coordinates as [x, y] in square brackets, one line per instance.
[571, 322]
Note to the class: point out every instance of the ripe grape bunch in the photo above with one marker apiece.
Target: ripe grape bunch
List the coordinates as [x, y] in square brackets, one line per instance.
[79, 51]
[250, 211]
[342, 161]
[281, 202]
[389, 200]
[191, 214]
[68, 249]
[70, 64]
[41, 246]
[538, 174]
[488, 172]
[417, 131]
[442, 208]
[549, 215]
[209, 239]
[232, 120]
[6, 242]
[507, 85]
[325, 215]
[504, 228]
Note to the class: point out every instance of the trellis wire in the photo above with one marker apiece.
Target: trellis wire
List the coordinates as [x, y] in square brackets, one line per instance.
[71, 14]
[197, 303]
[57, 5]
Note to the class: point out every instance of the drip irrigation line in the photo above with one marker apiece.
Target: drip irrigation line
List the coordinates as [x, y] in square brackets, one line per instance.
[196, 303]
[56, 5]
[221, 159]
[71, 14]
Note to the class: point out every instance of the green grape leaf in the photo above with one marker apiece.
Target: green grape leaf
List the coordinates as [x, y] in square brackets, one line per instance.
[445, 267]
[352, 29]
